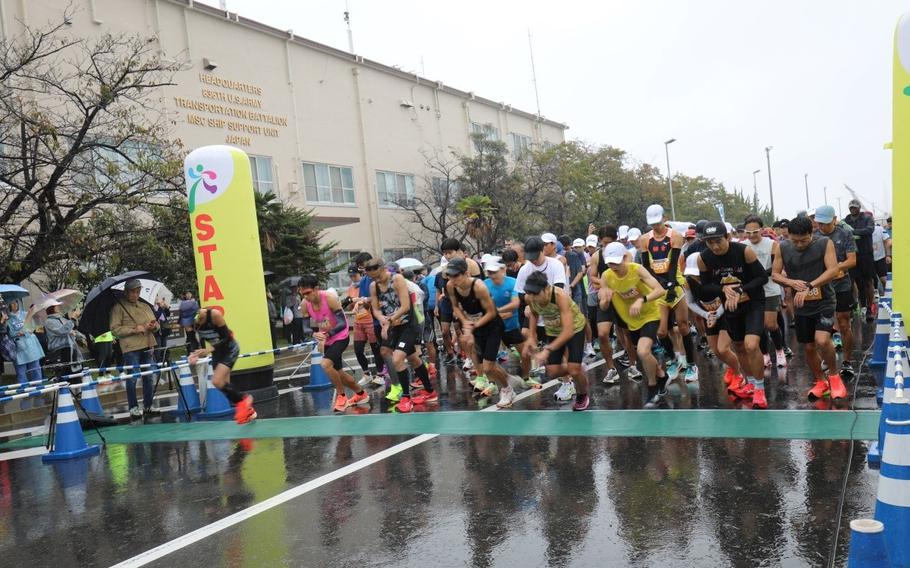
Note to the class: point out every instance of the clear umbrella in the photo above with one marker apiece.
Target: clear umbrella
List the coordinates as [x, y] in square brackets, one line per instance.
[408, 263]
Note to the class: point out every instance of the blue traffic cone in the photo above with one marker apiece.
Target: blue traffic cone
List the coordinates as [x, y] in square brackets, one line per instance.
[68, 439]
[318, 377]
[91, 404]
[882, 335]
[892, 505]
[867, 544]
[187, 398]
[896, 357]
[216, 404]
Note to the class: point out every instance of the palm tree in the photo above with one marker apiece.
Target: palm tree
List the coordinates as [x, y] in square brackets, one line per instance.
[477, 211]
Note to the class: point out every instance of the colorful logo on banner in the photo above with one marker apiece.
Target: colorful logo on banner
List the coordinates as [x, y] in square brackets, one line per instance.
[226, 242]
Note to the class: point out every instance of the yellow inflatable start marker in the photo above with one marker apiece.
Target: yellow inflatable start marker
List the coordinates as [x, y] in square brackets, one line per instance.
[900, 161]
[228, 258]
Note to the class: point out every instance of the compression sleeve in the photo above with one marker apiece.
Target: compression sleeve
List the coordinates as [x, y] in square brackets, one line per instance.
[674, 267]
[341, 322]
[756, 277]
[307, 326]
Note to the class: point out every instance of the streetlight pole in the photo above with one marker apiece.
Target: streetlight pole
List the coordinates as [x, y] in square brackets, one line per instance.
[755, 192]
[806, 178]
[825, 191]
[669, 176]
[770, 187]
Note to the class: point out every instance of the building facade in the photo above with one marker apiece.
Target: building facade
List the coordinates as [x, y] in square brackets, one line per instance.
[325, 129]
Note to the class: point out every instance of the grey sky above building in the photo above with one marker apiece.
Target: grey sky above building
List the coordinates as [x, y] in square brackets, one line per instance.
[726, 79]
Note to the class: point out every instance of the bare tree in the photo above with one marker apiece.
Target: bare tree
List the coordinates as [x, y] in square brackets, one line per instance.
[433, 211]
[82, 127]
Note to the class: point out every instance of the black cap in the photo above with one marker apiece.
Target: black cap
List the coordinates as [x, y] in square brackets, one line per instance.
[533, 248]
[715, 229]
[353, 270]
[456, 266]
[536, 282]
[700, 228]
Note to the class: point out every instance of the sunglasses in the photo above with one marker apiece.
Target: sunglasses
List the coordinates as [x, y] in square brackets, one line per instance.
[306, 292]
[372, 267]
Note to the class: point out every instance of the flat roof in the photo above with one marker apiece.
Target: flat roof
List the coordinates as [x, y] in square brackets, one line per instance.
[354, 58]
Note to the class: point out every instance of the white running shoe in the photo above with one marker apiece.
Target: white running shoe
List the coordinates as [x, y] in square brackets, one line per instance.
[672, 370]
[506, 396]
[634, 374]
[468, 364]
[136, 412]
[366, 379]
[589, 350]
[612, 377]
[781, 358]
[566, 392]
[691, 374]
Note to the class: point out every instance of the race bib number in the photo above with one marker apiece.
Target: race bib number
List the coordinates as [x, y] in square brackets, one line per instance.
[553, 321]
[712, 306]
[814, 295]
[661, 266]
[630, 294]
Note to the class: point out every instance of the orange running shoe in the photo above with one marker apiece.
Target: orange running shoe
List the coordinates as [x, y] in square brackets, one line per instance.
[405, 404]
[341, 402]
[729, 375]
[244, 411]
[821, 389]
[758, 399]
[425, 397]
[838, 390]
[744, 389]
[358, 399]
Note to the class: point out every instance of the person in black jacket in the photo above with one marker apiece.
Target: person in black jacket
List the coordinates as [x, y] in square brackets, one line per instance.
[864, 272]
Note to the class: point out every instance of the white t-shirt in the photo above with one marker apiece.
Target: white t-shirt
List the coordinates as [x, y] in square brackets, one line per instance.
[556, 273]
[878, 243]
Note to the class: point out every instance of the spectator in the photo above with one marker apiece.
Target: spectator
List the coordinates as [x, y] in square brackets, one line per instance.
[162, 314]
[28, 349]
[61, 334]
[273, 317]
[188, 309]
[135, 325]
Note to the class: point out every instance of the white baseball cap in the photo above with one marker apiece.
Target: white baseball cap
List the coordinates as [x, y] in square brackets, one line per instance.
[493, 265]
[548, 238]
[655, 214]
[623, 232]
[692, 264]
[592, 241]
[614, 253]
[634, 234]
[487, 257]
[578, 243]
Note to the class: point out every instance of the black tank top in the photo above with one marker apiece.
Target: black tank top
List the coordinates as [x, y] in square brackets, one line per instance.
[214, 336]
[469, 304]
[659, 256]
[389, 303]
[729, 268]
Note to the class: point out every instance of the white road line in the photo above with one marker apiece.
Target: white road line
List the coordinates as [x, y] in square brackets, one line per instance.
[270, 503]
[28, 452]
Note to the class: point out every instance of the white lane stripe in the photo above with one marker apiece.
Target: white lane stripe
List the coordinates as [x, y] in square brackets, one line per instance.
[28, 452]
[270, 503]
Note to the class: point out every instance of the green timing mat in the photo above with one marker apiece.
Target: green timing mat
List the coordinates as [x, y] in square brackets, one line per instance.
[765, 424]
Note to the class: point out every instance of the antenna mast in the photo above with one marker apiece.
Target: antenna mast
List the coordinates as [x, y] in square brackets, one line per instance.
[533, 72]
[347, 20]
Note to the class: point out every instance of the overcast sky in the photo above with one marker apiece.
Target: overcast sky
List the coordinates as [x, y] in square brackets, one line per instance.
[726, 79]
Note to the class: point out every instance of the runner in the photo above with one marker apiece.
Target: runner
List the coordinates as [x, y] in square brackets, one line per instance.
[224, 349]
[766, 249]
[393, 309]
[565, 334]
[810, 262]
[364, 330]
[451, 249]
[324, 318]
[633, 292]
[661, 248]
[481, 325]
[864, 272]
[732, 271]
[845, 250]
[505, 297]
[710, 307]
[606, 316]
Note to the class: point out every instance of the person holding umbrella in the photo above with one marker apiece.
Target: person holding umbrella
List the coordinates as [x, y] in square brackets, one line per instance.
[28, 349]
[61, 336]
[134, 325]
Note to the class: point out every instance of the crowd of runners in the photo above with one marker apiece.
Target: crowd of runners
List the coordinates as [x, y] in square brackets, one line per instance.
[545, 308]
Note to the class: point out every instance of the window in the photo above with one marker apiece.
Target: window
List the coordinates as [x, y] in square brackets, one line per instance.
[337, 264]
[328, 184]
[261, 169]
[445, 190]
[487, 131]
[520, 145]
[394, 189]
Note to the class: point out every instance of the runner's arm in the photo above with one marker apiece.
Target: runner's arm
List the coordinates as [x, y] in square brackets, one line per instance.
[710, 287]
[593, 276]
[341, 321]
[831, 268]
[456, 305]
[754, 273]
[566, 323]
[374, 302]
[657, 291]
[486, 301]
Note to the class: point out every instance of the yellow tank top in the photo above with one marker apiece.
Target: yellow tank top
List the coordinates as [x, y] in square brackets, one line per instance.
[626, 290]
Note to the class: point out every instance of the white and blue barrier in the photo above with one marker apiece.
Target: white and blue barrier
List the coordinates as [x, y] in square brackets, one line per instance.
[879, 357]
[216, 404]
[892, 505]
[897, 354]
[867, 544]
[68, 440]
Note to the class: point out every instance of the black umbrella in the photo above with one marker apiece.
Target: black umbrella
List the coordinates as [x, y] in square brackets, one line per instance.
[290, 282]
[96, 314]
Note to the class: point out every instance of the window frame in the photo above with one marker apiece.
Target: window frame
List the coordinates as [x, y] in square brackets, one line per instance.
[352, 190]
[410, 196]
[254, 173]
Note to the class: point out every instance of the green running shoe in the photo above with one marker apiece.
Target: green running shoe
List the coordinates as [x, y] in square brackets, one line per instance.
[394, 393]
